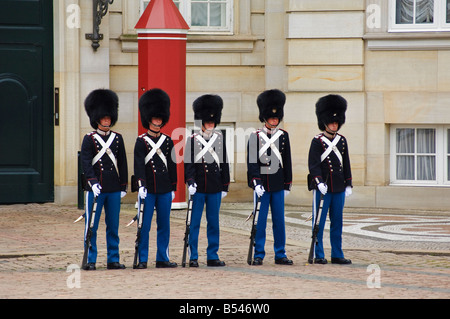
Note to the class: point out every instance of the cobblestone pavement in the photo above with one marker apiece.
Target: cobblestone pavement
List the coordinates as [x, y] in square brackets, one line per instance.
[395, 254]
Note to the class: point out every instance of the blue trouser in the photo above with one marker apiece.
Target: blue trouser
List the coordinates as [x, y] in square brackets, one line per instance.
[212, 201]
[276, 202]
[333, 203]
[111, 202]
[162, 203]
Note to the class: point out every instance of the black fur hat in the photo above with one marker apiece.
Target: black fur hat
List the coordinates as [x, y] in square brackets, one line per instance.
[271, 104]
[330, 108]
[154, 103]
[207, 108]
[100, 103]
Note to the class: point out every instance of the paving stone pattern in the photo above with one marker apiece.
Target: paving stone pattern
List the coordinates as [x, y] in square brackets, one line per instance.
[40, 246]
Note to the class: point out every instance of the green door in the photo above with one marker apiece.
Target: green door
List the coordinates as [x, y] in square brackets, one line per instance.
[26, 101]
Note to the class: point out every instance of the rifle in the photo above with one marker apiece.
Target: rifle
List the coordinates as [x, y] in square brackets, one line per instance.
[315, 230]
[90, 225]
[139, 229]
[139, 217]
[255, 214]
[312, 186]
[187, 231]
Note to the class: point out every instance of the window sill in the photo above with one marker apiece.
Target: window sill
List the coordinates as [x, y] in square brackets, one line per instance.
[418, 184]
[407, 41]
[201, 43]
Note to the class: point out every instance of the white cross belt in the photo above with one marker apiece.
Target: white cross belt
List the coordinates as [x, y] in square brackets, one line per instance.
[207, 148]
[331, 147]
[105, 149]
[156, 148]
[271, 143]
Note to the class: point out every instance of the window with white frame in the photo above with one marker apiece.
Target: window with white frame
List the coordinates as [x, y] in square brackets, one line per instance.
[447, 157]
[204, 16]
[419, 15]
[420, 155]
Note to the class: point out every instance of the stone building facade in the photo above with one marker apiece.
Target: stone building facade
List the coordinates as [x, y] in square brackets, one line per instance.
[395, 75]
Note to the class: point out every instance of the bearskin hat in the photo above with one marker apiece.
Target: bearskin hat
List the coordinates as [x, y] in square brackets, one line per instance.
[154, 103]
[330, 108]
[271, 104]
[100, 103]
[208, 108]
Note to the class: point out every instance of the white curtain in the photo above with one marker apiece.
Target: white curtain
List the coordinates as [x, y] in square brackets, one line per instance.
[448, 155]
[199, 14]
[218, 14]
[426, 164]
[425, 154]
[448, 168]
[448, 11]
[216, 10]
[405, 163]
[424, 11]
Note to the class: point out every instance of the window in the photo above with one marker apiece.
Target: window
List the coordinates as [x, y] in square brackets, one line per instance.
[204, 15]
[420, 15]
[448, 155]
[417, 155]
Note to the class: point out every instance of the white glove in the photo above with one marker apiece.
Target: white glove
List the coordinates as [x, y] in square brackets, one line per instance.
[142, 192]
[348, 191]
[322, 188]
[286, 193]
[192, 189]
[259, 189]
[96, 188]
[173, 195]
[224, 194]
[122, 194]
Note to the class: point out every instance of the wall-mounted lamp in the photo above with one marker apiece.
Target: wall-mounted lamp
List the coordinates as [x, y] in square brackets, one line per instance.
[100, 8]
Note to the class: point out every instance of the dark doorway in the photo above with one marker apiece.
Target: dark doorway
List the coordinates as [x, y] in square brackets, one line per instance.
[26, 101]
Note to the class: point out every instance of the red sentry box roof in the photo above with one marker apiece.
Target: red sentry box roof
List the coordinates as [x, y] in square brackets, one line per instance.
[161, 14]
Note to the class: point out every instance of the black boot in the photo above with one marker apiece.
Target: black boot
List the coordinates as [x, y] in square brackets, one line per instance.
[284, 261]
[141, 265]
[321, 261]
[215, 263]
[166, 264]
[89, 266]
[115, 265]
[341, 261]
[257, 261]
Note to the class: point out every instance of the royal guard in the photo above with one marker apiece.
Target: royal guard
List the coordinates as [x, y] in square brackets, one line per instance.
[155, 171]
[104, 165]
[269, 173]
[207, 175]
[330, 172]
